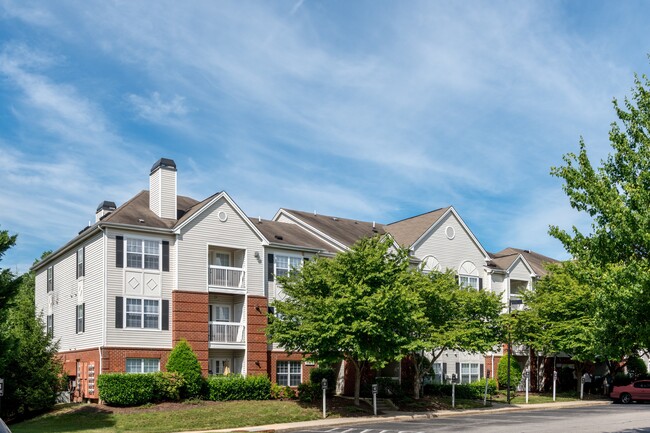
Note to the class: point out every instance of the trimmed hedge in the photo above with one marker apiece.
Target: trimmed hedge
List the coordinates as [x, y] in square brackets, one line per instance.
[183, 360]
[131, 389]
[316, 376]
[310, 392]
[236, 387]
[126, 389]
[473, 390]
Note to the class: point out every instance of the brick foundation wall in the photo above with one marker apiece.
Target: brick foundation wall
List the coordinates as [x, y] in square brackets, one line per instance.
[86, 380]
[190, 321]
[114, 358]
[256, 343]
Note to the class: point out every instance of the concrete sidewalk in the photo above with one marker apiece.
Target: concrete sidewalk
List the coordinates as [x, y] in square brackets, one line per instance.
[406, 416]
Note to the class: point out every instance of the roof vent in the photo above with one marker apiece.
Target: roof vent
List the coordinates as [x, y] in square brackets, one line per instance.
[140, 220]
[527, 251]
[104, 208]
[278, 237]
[335, 219]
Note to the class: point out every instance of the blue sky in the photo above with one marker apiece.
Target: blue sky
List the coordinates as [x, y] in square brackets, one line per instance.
[373, 110]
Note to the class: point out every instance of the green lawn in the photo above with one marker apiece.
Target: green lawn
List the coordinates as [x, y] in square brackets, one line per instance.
[201, 416]
[520, 397]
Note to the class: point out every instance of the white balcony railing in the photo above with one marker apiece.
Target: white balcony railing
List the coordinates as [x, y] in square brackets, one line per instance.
[226, 332]
[226, 276]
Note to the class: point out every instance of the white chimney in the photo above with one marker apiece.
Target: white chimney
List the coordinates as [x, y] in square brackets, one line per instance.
[162, 188]
[104, 208]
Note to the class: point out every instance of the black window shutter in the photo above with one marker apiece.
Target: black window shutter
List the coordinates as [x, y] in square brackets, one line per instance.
[210, 313]
[444, 372]
[52, 322]
[119, 312]
[165, 315]
[481, 371]
[83, 312]
[76, 318]
[306, 259]
[165, 258]
[457, 279]
[83, 265]
[119, 251]
[76, 265]
[270, 266]
[480, 283]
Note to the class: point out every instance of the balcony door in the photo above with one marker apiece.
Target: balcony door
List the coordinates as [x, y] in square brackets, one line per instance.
[220, 313]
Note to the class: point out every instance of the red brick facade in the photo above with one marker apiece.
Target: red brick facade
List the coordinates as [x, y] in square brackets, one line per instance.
[114, 358]
[256, 343]
[190, 321]
[82, 368]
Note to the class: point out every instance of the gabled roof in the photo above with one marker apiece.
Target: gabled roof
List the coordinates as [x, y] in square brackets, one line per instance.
[290, 235]
[407, 231]
[505, 258]
[345, 232]
[137, 209]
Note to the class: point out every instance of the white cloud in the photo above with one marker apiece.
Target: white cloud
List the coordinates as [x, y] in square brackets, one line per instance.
[155, 109]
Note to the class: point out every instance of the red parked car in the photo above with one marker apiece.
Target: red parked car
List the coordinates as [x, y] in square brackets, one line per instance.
[636, 391]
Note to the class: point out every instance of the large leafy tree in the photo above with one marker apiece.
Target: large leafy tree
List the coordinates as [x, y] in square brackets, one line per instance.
[454, 318]
[32, 372]
[359, 306]
[616, 195]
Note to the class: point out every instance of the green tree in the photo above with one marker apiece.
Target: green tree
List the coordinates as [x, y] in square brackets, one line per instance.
[183, 360]
[358, 306]
[455, 318]
[502, 372]
[9, 284]
[616, 195]
[33, 374]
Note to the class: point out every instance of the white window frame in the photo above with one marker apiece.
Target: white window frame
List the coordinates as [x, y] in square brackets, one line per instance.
[471, 373]
[215, 253]
[142, 253]
[50, 325]
[226, 306]
[516, 295]
[438, 372]
[81, 308]
[287, 378]
[218, 366]
[466, 281]
[142, 313]
[280, 272]
[142, 367]
[50, 278]
[81, 258]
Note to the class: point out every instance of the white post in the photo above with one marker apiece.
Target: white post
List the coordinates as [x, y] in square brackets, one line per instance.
[453, 390]
[324, 386]
[554, 382]
[527, 384]
[582, 387]
[487, 379]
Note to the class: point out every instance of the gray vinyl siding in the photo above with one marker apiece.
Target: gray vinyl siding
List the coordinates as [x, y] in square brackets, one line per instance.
[146, 338]
[168, 193]
[40, 295]
[520, 271]
[154, 193]
[285, 219]
[207, 230]
[451, 253]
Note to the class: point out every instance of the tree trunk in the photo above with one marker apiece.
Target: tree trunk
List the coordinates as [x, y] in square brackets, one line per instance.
[357, 382]
[417, 379]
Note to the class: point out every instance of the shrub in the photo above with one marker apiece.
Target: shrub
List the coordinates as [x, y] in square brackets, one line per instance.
[183, 360]
[474, 390]
[502, 372]
[310, 392]
[236, 387]
[621, 379]
[279, 392]
[636, 367]
[167, 386]
[317, 375]
[126, 389]
[389, 387]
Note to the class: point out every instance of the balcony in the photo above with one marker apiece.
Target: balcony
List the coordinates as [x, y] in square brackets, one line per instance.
[226, 279]
[226, 334]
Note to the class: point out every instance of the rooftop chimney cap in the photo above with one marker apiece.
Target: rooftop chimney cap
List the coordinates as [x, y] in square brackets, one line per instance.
[106, 205]
[164, 162]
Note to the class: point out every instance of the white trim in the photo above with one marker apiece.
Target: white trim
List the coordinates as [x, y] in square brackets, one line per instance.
[238, 211]
[142, 328]
[524, 261]
[436, 224]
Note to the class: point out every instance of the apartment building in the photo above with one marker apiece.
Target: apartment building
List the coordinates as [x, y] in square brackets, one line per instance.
[161, 267]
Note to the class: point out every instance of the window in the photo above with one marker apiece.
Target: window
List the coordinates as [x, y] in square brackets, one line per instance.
[517, 287]
[437, 372]
[50, 278]
[288, 373]
[221, 259]
[219, 366]
[50, 325]
[80, 262]
[284, 264]
[81, 321]
[142, 313]
[142, 253]
[142, 365]
[219, 313]
[469, 372]
[468, 281]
